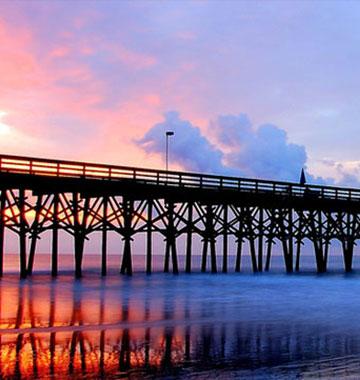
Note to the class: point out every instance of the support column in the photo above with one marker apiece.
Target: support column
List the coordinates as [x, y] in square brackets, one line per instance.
[2, 229]
[209, 239]
[268, 253]
[171, 241]
[126, 266]
[78, 236]
[270, 240]
[348, 251]
[260, 240]
[35, 235]
[318, 241]
[250, 227]
[55, 236]
[238, 253]
[225, 240]
[253, 253]
[189, 238]
[299, 241]
[289, 261]
[149, 237]
[104, 237]
[291, 240]
[239, 243]
[22, 234]
[204, 255]
[348, 242]
[285, 240]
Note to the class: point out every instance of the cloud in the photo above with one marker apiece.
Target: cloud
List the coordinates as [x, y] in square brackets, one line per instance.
[239, 149]
[347, 173]
[263, 152]
[189, 147]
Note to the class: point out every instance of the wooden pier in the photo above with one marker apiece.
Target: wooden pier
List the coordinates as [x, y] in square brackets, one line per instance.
[39, 195]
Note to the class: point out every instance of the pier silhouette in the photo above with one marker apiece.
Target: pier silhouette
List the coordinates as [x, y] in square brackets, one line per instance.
[39, 195]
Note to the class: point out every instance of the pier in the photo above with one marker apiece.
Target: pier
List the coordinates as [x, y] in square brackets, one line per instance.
[39, 195]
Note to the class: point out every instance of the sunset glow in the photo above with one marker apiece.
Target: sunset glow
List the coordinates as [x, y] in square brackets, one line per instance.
[76, 85]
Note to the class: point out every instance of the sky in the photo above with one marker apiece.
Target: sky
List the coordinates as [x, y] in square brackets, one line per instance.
[251, 88]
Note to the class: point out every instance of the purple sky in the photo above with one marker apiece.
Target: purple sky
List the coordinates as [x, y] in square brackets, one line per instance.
[272, 86]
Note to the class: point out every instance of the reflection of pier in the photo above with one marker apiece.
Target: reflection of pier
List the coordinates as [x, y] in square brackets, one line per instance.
[78, 338]
[39, 195]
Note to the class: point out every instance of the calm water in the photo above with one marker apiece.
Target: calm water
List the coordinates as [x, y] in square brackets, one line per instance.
[201, 326]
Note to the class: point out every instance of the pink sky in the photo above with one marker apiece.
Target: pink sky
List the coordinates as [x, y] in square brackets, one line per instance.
[85, 80]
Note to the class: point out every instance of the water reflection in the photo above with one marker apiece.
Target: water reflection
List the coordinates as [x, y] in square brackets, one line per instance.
[98, 330]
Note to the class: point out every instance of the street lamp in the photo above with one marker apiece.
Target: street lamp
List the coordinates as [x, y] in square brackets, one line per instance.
[167, 135]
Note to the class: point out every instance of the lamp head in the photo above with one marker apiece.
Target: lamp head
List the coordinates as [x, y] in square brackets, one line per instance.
[169, 133]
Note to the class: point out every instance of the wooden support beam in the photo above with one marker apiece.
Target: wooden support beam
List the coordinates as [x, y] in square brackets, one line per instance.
[291, 242]
[286, 238]
[167, 255]
[253, 254]
[79, 234]
[35, 235]
[270, 240]
[22, 233]
[213, 256]
[174, 256]
[238, 253]
[268, 252]
[260, 239]
[225, 238]
[251, 237]
[104, 237]
[239, 237]
[348, 241]
[204, 255]
[170, 244]
[299, 241]
[2, 229]
[209, 239]
[189, 238]
[348, 251]
[55, 236]
[317, 239]
[149, 232]
[126, 266]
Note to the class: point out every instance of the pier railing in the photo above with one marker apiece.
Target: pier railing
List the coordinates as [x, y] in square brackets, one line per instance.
[85, 170]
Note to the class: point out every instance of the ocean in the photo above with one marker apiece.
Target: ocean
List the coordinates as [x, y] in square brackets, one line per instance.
[195, 326]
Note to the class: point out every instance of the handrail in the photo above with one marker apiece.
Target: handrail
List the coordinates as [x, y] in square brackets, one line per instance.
[88, 170]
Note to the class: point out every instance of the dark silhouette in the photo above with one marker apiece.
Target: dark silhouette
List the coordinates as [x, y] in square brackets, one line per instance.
[39, 195]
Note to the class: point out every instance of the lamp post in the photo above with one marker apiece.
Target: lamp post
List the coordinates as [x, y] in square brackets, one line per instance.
[167, 135]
